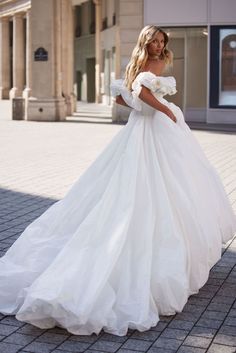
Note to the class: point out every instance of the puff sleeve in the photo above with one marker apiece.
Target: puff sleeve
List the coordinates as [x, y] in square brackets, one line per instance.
[118, 88]
[157, 84]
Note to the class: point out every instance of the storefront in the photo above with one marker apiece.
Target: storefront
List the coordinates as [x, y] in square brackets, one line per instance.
[203, 39]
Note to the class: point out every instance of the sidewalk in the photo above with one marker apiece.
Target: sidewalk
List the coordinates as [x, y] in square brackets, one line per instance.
[39, 162]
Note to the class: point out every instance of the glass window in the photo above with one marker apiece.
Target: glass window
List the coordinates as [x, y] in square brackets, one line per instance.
[189, 46]
[227, 62]
[223, 67]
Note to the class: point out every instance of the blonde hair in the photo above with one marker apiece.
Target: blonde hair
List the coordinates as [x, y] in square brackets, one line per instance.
[140, 53]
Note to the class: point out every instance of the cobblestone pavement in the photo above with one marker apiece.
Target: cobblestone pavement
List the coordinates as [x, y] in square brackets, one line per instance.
[39, 162]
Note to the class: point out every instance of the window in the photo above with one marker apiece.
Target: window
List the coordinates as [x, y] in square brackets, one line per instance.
[189, 46]
[223, 67]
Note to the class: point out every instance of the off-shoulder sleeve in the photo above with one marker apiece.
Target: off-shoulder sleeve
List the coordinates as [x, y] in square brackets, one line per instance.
[159, 84]
[118, 88]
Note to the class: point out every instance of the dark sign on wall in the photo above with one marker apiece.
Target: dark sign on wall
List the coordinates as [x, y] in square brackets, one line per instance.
[40, 54]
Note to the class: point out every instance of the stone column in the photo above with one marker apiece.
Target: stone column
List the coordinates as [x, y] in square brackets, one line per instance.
[98, 49]
[58, 46]
[46, 102]
[4, 58]
[18, 56]
[67, 52]
[73, 99]
[27, 90]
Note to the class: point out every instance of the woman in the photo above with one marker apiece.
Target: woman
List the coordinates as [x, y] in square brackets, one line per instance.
[137, 234]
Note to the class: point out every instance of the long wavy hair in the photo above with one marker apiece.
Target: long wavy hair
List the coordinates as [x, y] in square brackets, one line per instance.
[140, 53]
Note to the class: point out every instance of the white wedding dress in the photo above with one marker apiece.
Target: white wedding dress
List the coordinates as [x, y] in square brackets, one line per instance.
[132, 239]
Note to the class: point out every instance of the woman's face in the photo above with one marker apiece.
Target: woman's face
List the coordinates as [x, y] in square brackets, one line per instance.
[157, 44]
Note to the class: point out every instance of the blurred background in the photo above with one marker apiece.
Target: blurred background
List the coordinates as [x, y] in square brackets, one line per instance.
[58, 57]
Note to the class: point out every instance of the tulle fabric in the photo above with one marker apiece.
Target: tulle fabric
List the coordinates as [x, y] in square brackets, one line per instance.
[131, 240]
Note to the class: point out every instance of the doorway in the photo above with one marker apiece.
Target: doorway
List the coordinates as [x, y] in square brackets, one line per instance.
[90, 70]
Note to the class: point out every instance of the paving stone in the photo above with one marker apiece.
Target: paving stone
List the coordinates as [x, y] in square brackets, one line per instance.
[228, 292]
[147, 335]
[209, 288]
[9, 348]
[187, 349]
[230, 321]
[225, 339]
[198, 301]
[217, 274]
[191, 308]
[159, 350]
[159, 327]
[106, 346]
[209, 314]
[203, 331]
[51, 337]
[73, 346]
[61, 351]
[205, 294]
[230, 279]
[30, 330]
[215, 281]
[228, 330]
[232, 313]
[121, 350]
[223, 300]
[180, 324]
[169, 343]
[216, 307]
[194, 341]
[6, 330]
[39, 347]
[209, 323]
[174, 333]
[218, 348]
[186, 316]
[17, 338]
[136, 344]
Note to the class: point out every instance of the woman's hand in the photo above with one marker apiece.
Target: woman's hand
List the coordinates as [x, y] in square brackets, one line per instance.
[171, 115]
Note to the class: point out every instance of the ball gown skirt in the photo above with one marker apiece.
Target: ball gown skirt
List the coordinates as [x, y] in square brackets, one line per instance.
[133, 238]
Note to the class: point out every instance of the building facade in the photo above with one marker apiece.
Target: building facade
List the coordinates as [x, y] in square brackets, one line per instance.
[203, 38]
[36, 56]
[56, 52]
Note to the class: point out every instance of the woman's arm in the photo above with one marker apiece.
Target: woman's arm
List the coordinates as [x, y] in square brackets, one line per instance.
[120, 100]
[146, 96]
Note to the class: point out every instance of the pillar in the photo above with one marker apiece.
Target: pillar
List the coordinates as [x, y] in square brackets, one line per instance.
[98, 49]
[27, 90]
[18, 56]
[46, 102]
[67, 51]
[4, 58]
